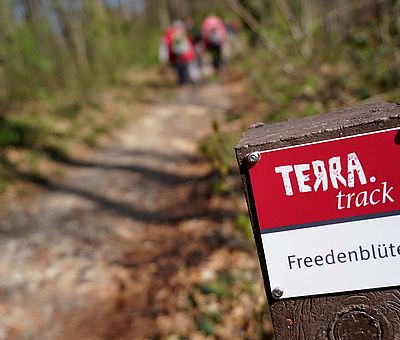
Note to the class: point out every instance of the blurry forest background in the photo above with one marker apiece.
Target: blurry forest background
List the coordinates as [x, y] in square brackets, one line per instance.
[301, 57]
[74, 71]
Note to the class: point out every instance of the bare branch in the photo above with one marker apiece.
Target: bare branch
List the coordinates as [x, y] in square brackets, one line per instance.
[284, 11]
[254, 25]
[351, 7]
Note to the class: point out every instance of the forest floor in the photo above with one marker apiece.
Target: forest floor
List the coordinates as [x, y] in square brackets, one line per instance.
[130, 242]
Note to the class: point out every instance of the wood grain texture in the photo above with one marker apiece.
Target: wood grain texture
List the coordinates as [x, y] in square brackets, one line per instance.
[367, 315]
[364, 316]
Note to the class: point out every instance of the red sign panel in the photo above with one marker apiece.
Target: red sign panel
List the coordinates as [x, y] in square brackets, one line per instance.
[340, 179]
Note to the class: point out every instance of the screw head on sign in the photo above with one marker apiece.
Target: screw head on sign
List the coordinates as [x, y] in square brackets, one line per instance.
[253, 157]
[277, 292]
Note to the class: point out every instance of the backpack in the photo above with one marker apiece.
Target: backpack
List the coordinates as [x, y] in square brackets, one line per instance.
[180, 44]
[214, 38]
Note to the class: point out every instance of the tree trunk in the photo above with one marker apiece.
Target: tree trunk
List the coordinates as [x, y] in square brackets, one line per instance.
[80, 61]
[163, 14]
[33, 9]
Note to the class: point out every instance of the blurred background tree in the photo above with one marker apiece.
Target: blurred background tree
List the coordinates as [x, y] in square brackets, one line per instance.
[71, 70]
[319, 55]
[56, 44]
[301, 57]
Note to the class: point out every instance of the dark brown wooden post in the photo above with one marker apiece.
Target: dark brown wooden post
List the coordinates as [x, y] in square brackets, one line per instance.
[373, 314]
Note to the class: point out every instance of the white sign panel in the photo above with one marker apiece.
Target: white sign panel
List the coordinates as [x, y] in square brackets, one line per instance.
[346, 256]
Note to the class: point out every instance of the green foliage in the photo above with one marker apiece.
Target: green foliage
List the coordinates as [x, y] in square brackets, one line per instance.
[218, 149]
[373, 60]
[64, 48]
[221, 288]
[26, 69]
[30, 136]
[212, 300]
[205, 325]
[93, 137]
[69, 110]
[4, 182]
[18, 132]
[242, 222]
[317, 63]
[5, 176]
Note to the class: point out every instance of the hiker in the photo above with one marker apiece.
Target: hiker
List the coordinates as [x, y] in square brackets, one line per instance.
[177, 48]
[214, 34]
[194, 34]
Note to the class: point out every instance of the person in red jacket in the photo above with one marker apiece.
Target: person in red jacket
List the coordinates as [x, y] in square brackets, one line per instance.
[179, 50]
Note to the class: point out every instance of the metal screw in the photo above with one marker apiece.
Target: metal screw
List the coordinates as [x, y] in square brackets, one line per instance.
[253, 157]
[277, 292]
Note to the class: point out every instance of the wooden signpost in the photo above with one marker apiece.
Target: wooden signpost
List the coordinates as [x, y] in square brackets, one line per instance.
[323, 195]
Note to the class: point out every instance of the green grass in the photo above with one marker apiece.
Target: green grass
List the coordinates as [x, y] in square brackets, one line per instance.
[242, 223]
[218, 149]
[221, 288]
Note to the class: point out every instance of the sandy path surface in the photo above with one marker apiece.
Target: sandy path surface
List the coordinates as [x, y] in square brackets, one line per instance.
[109, 251]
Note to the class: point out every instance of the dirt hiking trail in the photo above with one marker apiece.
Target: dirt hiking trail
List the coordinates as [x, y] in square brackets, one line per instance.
[118, 247]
